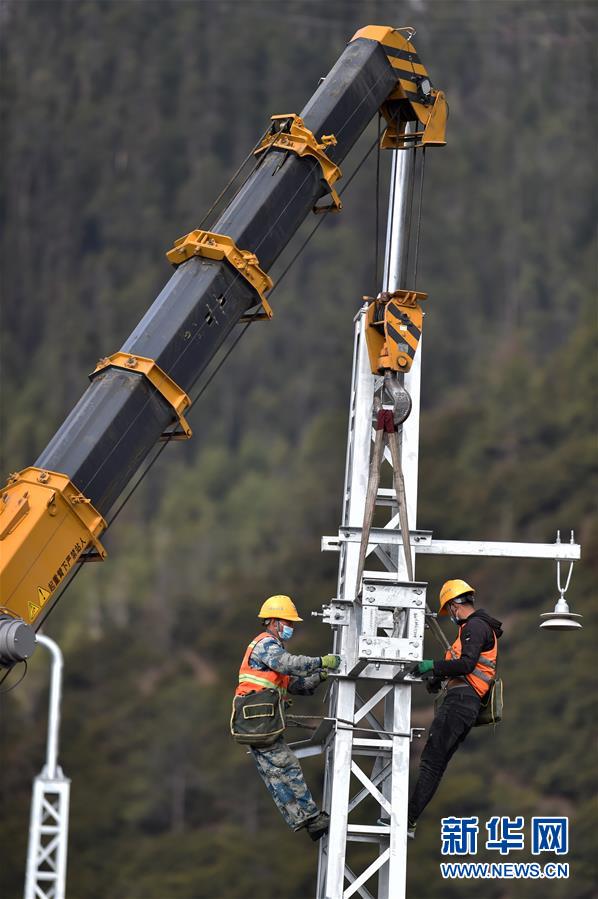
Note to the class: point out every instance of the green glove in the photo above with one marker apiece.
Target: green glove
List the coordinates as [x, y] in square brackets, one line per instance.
[425, 666]
[331, 661]
[323, 675]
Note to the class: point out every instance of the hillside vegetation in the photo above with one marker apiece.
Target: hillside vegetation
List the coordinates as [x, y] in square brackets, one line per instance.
[121, 122]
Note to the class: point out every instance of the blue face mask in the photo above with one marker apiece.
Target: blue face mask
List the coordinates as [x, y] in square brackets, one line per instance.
[286, 632]
[455, 620]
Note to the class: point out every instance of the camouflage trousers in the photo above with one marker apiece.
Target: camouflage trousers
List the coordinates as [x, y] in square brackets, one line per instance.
[281, 772]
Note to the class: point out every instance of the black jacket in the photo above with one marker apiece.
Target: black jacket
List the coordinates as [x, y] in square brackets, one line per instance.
[477, 637]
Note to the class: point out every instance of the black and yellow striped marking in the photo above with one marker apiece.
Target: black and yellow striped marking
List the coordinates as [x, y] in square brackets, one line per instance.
[401, 330]
[394, 330]
[401, 53]
[428, 107]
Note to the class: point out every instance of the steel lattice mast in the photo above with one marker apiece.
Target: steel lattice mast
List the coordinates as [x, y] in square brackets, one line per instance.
[380, 630]
[365, 683]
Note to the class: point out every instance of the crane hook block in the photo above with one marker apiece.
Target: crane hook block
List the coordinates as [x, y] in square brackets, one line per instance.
[394, 327]
[288, 132]
[219, 246]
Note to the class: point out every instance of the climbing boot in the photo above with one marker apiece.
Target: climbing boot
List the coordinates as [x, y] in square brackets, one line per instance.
[318, 826]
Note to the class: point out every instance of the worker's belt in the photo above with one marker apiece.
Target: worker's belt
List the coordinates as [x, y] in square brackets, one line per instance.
[260, 682]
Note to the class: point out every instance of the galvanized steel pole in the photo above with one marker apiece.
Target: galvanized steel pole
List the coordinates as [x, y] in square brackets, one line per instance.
[397, 703]
[48, 827]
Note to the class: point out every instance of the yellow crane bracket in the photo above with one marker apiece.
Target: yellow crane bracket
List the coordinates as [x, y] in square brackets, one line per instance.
[219, 246]
[46, 525]
[164, 384]
[288, 132]
[414, 85]
[394, 327]
[433, 118]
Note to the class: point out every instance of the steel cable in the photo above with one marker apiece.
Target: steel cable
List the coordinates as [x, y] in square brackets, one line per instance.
[212, 375]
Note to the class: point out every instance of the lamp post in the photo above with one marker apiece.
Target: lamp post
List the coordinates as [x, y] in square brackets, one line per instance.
[48, 827]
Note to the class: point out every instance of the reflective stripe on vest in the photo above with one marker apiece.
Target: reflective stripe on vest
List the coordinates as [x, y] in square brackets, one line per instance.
[255, 679]
[485, 670]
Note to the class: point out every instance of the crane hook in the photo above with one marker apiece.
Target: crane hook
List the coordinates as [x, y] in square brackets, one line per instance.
[400, 398]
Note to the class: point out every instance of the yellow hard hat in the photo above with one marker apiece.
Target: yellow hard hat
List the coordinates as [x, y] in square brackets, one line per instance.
[451, 590]
[279, 607]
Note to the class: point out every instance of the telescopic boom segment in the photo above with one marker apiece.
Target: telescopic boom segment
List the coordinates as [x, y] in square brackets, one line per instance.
[53, 513]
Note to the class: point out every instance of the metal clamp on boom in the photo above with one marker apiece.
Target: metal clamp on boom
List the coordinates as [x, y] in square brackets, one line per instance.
[219, 246]
[288, 132]
[171, 392]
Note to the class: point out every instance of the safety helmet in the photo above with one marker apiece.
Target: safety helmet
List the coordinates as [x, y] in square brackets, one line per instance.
[279, 607]
[451, 591]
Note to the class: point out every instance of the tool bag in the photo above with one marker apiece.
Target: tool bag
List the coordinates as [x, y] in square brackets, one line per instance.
[257, 718]
[491, 707]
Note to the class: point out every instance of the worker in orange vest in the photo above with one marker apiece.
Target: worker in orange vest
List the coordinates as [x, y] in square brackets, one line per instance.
[470, 667]
[267, 665]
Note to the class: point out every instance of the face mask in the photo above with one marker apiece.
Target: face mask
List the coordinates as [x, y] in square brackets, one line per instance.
[454, 618]
[286, 632]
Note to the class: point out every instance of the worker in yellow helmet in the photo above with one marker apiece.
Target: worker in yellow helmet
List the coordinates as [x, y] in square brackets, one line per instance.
[268, 666]
[469, 667]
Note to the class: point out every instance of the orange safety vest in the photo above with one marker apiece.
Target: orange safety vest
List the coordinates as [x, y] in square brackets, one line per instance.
[485, 670]
[252, 679]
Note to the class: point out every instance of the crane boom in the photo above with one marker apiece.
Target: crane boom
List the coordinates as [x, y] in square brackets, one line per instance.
[53, 513]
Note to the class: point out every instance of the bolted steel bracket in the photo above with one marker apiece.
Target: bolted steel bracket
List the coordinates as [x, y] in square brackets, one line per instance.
[164, 384]
[288, 132]
[220, 246]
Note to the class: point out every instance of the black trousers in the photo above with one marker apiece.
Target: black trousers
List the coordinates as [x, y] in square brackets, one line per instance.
[456, 716]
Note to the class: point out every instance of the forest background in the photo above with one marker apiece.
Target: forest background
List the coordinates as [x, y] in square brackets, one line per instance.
[121, 122]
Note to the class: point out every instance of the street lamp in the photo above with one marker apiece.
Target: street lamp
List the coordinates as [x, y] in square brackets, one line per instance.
[562, 619]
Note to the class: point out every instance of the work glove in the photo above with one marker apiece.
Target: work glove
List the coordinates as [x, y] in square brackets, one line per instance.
[323, 675]
[433, 684]
[420, 669]
[331, 661]
[424, 667]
